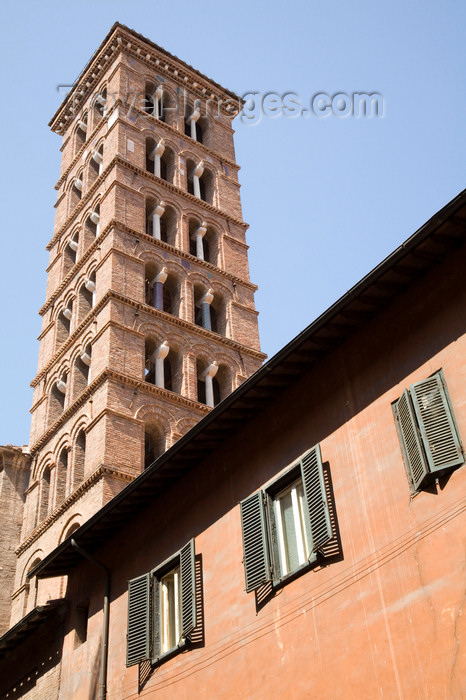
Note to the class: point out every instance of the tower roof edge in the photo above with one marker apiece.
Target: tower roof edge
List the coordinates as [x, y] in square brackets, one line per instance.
[116, 33]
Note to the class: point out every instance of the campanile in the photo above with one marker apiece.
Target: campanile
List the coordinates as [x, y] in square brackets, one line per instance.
[149, 318]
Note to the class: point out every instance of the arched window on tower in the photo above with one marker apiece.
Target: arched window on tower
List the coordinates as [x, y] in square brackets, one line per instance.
[154, 443]
[76, 190]
[62, 476]
[162, 290]
[79, 458]
[161, 222]
[100, 106]
[208, 390]
[95, 165]
[86, 297]
[204, 312]
[70, 253]
[200, 181]
[92, 227]
[80, 133]
[154, 101]
[163, 366]
[64, 324]
[57, 398]
[82, 370]
[195, 124]
[198, 242]
[30, 601]
[160, 159]
[46, 496]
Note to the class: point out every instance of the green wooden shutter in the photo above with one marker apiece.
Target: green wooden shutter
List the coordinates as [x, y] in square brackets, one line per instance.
[316, 498]
[155, 618]
[436, 423]
[138, 638]
[188, 589]
[411, 446]
[256, 556]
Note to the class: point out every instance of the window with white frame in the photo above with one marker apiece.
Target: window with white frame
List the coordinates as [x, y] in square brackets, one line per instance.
[162, 609]
[287, 524]
[293, 540]
[170, 610]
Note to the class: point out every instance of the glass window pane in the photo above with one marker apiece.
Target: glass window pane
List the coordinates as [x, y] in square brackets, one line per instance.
[169, 610]
[293, 541]
[289, 532]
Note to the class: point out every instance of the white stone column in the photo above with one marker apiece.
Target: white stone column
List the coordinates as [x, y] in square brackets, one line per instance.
[95, 218]
[101, 100]
[197, 174]
[199, 235]
[61, 386]
[158, 102]
[160, 355]
[156, 216]
[90, 286]
[157, 154]
[208, 375]
[158, 283]
[205, 309]
[98, 158]
[192, 121]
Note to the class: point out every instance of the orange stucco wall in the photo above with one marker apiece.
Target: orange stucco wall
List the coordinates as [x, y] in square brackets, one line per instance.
[383, 618]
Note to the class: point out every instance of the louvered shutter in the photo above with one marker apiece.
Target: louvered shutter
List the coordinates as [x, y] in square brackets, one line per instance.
[256, 557]
[155, 619]
[188, 589]
[409, 438]
[138, 638]
[436, 423]
[316, 498]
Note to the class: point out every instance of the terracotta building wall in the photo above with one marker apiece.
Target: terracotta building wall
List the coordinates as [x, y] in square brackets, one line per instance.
[370, 618]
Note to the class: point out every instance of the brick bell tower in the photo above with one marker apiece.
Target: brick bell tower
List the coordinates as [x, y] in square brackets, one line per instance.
[149, 318]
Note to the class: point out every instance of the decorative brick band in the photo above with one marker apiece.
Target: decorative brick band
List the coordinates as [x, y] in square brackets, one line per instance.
[98, 474]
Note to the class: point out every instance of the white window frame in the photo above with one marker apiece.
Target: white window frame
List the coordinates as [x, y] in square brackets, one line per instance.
[302, 542]
[166, 611]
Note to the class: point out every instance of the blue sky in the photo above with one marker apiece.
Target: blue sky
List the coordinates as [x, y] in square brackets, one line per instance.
[326, 198]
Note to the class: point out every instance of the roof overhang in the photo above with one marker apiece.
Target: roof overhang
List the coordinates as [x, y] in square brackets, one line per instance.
[36, 617]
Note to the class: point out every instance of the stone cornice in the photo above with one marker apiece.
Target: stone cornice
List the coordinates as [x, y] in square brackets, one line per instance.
[177, 190]
[119, 160]
[99, 473]
[246, 308]
[177, 252]
[221, 340]
[121, 38]
[237, 242]
[106, 375]
[187, 325]
[153, 121]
